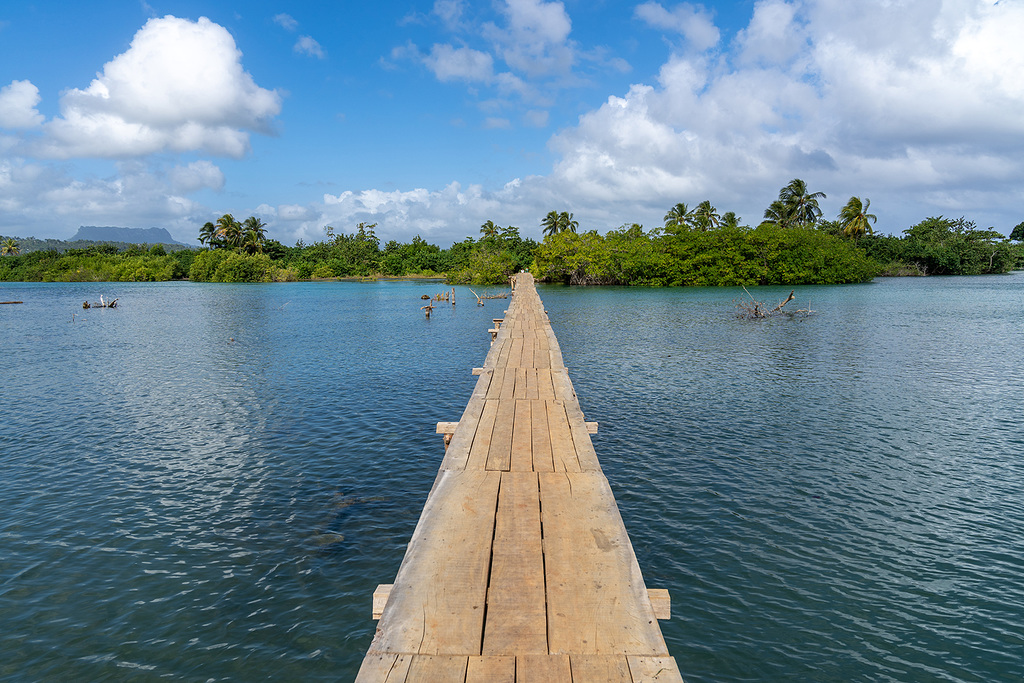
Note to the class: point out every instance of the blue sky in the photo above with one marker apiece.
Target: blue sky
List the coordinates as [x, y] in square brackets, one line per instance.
[431, 117]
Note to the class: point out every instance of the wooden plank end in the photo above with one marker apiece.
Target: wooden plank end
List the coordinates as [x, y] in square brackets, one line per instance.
[380, 598]
[592, 428]
[446, 427]
[661, 602]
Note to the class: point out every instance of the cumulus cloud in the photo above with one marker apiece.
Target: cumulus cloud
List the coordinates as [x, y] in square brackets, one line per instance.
[535, 40]
[196, 176]
[815, 94]
[18, 105]
[693, 23]
[179, 87]
[450, 63]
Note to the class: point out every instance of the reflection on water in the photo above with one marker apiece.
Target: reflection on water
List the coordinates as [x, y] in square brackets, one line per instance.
[208, 481]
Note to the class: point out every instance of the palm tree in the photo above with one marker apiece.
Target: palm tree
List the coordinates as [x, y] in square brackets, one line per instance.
[207, 233]
[779, 214]
[730, 220]
[550, 224]
[489, 229]
[678, 217]
[254, 235]
[802, 205]
[855, 219]
[566, 222]
[705, 216]
[229, 231]
[9, 246]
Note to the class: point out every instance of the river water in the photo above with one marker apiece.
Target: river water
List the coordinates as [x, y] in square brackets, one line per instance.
[207, 482]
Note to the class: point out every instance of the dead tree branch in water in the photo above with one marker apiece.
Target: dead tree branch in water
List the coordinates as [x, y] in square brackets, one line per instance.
[756, 310]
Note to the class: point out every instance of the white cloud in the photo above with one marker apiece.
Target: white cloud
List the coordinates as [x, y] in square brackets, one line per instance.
[305, 45]
[286, 21]
[179, 87]
[693, 23]
[18, 105]
[450, 63]
[536, 39]
[450, 12]
[196, 176]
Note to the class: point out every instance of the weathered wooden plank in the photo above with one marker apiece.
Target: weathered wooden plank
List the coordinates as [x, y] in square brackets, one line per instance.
[494, 386]
[437, 669]
[516, 617]
[542, 459]
[481, 447]
[532, 384]
[603, 668]
[380, 598]
[508, 384]
[577, 425]
[491, 670]
[527, 358]
[543, 669]
[563, 451]
[384, 668]
[515, 355]
[597, 601]
[522, 384]
[522, 439]
[545, 389]
[499, 456]
[661, 601]
[654, 670]
[457, 452]
[437, 603]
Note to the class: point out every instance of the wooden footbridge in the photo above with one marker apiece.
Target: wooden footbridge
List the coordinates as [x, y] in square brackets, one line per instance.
[520, 568]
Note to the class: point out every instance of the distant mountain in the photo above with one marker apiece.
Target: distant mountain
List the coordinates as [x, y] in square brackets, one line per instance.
[128, 235]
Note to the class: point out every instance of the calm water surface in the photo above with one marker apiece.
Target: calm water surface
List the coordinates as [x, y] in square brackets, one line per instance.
[207, 482]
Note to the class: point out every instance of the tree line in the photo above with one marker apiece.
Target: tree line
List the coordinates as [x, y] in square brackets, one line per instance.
[696, 245]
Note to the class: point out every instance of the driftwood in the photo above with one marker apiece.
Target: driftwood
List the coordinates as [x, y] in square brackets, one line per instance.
[11, 302]
[480, 299]
[102, 303]
[428, 308]
[756, 310]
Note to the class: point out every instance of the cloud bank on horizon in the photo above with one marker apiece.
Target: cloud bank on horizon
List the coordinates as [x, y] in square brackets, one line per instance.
[917, 105]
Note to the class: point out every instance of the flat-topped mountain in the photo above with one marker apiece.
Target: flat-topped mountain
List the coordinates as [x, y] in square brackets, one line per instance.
[129, 235]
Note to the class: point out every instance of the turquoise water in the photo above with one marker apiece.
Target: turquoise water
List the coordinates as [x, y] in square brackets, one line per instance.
[207, 482]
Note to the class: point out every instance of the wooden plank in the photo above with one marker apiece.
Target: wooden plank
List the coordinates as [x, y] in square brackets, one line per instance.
[527, 359]
[543, 669]
[661, 601]
[542, 459]
[654, 670]
[603, 668]
[545, 389]
[522, 439]
[515, 355]
[508, 384]
[591, 427]
[497, 379]
[446, 427]
[437, 669]
[597, 600]
[532, 391]
[563, 451]
[499, 455]
[481, 447]
[384, 668]
[491, 670]
[522, 385]
[516, 617]
[437, 603]
[380, 598]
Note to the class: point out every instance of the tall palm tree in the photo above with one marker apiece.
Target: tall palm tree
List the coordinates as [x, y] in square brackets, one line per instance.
[229, 231]
[730, 220]
[855, 219]
[254, 235]
[566, 222]
[207, 233]
[9, 246]
[678, 217]
[489, 229]
[779, 214]
[550, 224]
[705, 216]
[802, 205]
